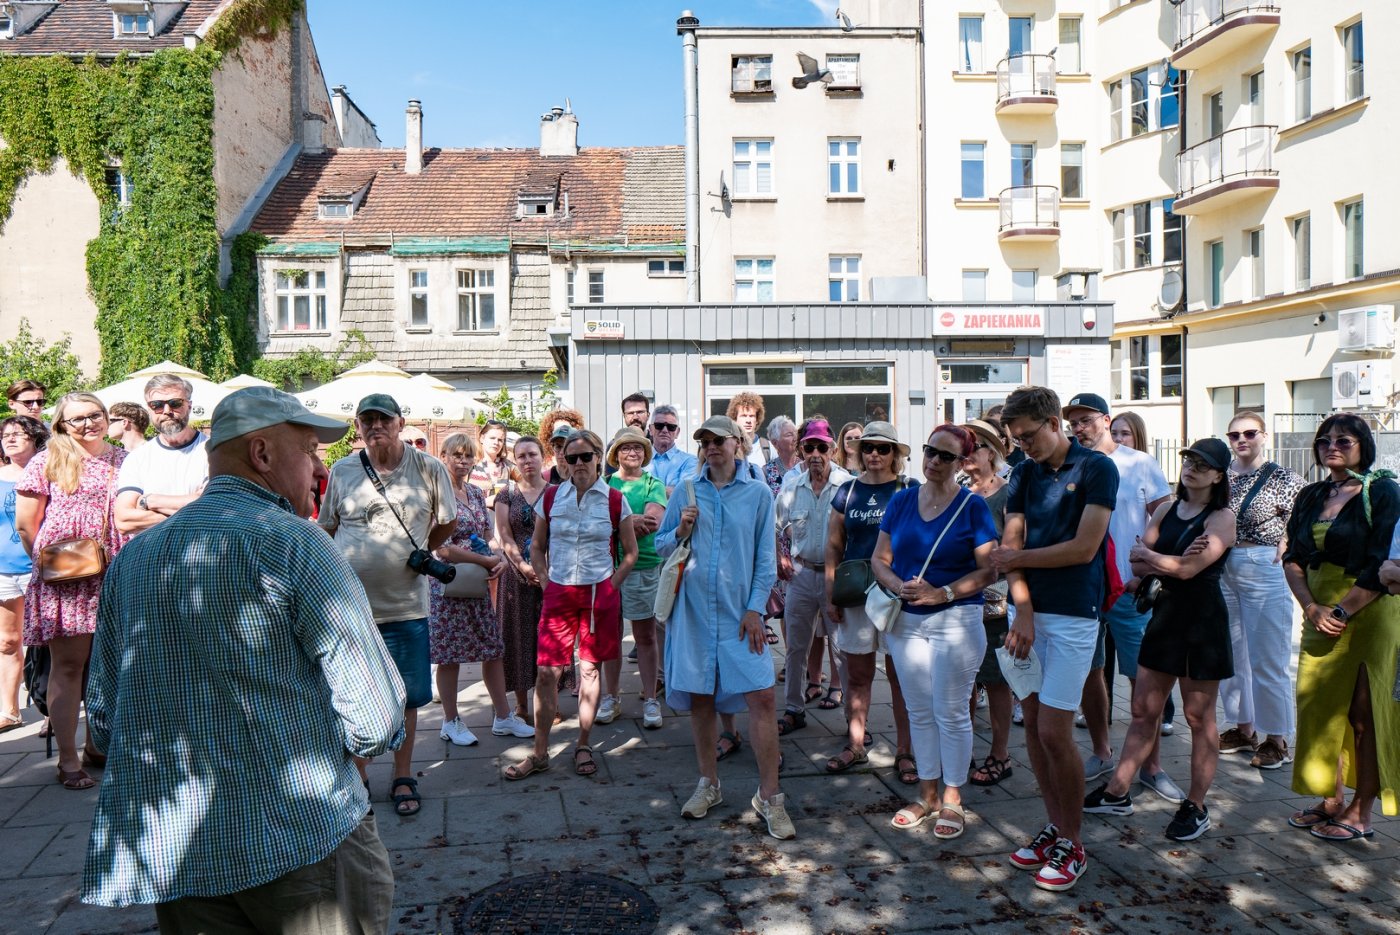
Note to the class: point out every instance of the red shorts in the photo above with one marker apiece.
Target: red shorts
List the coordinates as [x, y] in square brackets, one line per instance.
[568, 611]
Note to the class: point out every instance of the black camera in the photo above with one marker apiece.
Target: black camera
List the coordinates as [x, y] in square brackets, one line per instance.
[1148, 590]
[422, 562]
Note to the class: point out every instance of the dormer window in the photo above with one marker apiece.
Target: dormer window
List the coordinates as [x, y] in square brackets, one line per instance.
[133, 24]
[335, 210]
[531, 207]
[141, 19]
[18, 18]
[539, 195]
[7, 26]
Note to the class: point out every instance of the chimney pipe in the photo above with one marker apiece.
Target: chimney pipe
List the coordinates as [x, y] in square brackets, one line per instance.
[413, 142]
[686, 26]
[559, 133]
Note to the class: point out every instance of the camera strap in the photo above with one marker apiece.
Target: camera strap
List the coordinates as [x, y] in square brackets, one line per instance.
[373, 476]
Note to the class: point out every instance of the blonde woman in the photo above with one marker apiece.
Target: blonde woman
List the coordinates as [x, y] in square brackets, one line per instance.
[65, 493]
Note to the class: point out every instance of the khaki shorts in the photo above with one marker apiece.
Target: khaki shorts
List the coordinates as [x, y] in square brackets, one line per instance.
[639, 593]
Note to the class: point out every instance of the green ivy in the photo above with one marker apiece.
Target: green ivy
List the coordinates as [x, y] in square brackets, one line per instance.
[519, 416]
[310, 365]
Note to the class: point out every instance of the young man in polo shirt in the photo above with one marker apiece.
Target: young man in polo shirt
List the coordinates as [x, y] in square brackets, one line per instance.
[1057, 510]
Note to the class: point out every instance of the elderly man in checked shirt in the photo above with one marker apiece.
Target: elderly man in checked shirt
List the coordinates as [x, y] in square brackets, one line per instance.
[235, 671]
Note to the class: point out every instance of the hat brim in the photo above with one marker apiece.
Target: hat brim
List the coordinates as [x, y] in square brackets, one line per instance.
[327, 430]
[899, 446]
[644, 442]
[1068, 409]
[702, 431]
[1207, 457]
[383, 412]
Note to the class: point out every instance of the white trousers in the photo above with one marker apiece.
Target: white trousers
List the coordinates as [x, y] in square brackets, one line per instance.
[937, 659]
[1262, 614]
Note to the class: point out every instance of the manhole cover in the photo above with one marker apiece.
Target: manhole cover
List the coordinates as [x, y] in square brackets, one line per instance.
[547, 903]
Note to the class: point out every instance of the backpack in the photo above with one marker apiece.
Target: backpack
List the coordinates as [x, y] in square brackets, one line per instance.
[614, 513]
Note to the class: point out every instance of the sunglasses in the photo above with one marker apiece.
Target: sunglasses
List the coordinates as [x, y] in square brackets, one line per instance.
[947, 457]
[867, 448]
[1341, 444]
[666, 426]
[1247, 434]
[585, 456]
[980, 446]
[1195, 464]
[175, 405]
[810, 447]
[711, 440]
[32, 403]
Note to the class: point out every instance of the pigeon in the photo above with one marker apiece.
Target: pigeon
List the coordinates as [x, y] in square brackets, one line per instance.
[811, 71]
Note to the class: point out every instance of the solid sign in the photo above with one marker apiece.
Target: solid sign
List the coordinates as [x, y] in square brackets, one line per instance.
[603, 329]
[991, 321]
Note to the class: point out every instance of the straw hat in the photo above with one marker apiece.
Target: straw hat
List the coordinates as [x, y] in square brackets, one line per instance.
[629, 436]
[883, 432]
[985, 432]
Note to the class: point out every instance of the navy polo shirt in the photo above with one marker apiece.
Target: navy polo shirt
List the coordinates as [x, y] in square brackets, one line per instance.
[1053, 502]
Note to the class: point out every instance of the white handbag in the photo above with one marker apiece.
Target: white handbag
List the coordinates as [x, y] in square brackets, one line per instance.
[673, 570]
[469, 582]
[883, 606]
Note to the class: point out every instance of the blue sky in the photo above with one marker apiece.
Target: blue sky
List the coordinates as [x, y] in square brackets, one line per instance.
[486, 69]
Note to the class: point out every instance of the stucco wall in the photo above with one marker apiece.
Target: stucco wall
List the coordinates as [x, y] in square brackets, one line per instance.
[252, 119]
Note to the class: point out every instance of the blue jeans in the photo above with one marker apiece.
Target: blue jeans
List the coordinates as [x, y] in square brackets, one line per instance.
[407, 642]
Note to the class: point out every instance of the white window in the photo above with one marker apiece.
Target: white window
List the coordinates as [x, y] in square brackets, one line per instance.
[1068, 56]
[1071, 170]
[1302, 251]
[1137, 83]
[568, 287]
[1215, 269]
[1353, 238]
[6, 26]
[1022, 164]
[1169, 366]
[753, 279]
[1254, 252]
[1171, 232]
[1138, 359]
[752, 74]
[1254, 98]
[476, 300]
[595, 287]
[1023, 285]
[845, 71]
[134, 24]
[1302, 84]
[1115, 111]
[1225, 401]
[1353, 62]
[970, 44]
[301, 300]
[418, 298]
[843, 166]
[974, 170]
[843, 279]
[119, 185]
[659, 268]
[974, 285]
[753, 167]
[1215, 114]
[1118, 220]
[334, 210]
[1145, 100]
[1142, 234]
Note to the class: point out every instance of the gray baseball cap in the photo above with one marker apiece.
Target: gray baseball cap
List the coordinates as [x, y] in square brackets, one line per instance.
[721, 426]
[258, 407]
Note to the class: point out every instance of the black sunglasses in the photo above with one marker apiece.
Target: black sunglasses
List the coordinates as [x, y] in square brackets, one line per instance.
[875, 448]
[585, 456]
[1247, 434]
[156, 405]
[32, 402]
[810, 447]
[947, 457]
[665, 426]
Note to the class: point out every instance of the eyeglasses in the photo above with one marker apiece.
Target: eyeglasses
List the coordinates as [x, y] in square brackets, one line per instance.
[31, 403]
[809, 447]
[711, 440]
[14, 436]
[665, 426]
[880, 448]
[1195, 464]
[175, 405]
[585, 456]
[1247, 435]
[947, 457]
[1341, 444]
[1021, 441]
[95, 418]
[1084, 421]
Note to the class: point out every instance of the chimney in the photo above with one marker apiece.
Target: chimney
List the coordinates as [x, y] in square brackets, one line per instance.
[313, 131]
[559, 132]
[413, 141]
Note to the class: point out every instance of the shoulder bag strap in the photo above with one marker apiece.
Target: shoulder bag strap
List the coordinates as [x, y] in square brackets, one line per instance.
[1265, 473]
[951, 520]
[107, 509]
[373, 476]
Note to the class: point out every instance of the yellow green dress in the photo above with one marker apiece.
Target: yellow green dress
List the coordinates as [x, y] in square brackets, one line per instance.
[1327, 673]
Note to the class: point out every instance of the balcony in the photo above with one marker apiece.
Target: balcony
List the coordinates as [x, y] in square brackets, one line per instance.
[1208, 30]
[1029, 213]
[1026, 85]
[1226, 169]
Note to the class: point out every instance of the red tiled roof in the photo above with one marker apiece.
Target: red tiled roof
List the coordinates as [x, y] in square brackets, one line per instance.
[475, 192]
[82, 27]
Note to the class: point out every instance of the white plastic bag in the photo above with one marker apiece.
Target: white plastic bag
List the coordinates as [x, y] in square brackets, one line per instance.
[1022, 675]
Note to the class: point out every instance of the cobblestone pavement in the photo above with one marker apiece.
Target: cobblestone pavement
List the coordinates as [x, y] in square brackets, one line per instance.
[847, 871]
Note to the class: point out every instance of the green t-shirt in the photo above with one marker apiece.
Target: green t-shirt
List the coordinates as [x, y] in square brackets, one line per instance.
[645, 489]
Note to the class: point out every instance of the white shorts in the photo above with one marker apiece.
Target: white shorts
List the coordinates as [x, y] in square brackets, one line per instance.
[1065, 647]
[13, 586]
[856, 635]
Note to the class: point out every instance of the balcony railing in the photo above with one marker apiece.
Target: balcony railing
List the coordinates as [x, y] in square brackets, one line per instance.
[1029, 212]
[1225, 169]
[1209, 29]
[1026, 84]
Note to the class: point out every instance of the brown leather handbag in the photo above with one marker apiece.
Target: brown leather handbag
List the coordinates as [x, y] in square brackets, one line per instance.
[80, 557]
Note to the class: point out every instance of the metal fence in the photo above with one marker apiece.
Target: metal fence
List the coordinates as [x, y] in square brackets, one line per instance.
[1299, 460]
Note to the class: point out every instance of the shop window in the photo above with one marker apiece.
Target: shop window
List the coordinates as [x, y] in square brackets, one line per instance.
[840, 393]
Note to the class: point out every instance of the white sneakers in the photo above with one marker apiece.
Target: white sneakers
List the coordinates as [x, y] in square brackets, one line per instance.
[704, 798]
[457, 732]
[511, 726]
[608, 710]
[651, 714]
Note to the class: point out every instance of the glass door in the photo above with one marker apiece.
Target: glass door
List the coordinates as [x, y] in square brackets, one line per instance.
[968, 388]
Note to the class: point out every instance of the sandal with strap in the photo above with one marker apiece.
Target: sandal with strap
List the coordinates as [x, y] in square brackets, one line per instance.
[840, 763]
[10, 722]
[813, 692]
[406, 804]
[909, 775]
[587, 767]
[906, 819]
[992, 771]
[736, 743]
[527, 767]
[769, 636]
[958, 825]
[76, 780]
[835, 698]
[791, 721]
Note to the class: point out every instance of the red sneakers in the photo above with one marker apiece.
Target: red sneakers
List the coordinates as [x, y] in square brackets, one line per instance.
[1034, 854]
[1064, 865]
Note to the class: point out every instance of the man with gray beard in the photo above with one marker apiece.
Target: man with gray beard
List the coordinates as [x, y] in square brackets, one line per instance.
[157, 480]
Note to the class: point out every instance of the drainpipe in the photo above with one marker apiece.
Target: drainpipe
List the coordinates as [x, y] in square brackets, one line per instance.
[685, 27]
[1185, 252]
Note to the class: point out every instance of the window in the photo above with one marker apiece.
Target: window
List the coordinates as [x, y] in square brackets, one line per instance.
[1137, 81]
[974, 285]
[1312, 397]
[1018, 40]
[1142, 234]
[753, 279]
[1115, 368]
[1169, 100]
[301, 300]
[1254, 98]
[476, 300]
[843, 166]
[1022, 164]
[1353, 233]
[658, 268]
[1353, 62]
[1118, 220]
[1153, 101]
[753, 167]
[568, 287]
[843, 279]
[1302, 251]
[1171, 232]
[974, 170]
[119, 185]
[752, 74]
[1138, 386]
[845, 71]
[1068, 56]
[534, 207]
[1023, 285]
[134, 24]
[334, 210]
[1169, 369]
[1225, 401]
[1254, 251]
[6, 26]
[841, 393]
[418, 298]
[1215, 264]
[1115, 111]
[970, 44]
[1071, 170]
[1215, 114]
[1302, 84]
[595, 287]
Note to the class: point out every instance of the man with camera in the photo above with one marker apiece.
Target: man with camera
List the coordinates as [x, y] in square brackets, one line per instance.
[388, 507]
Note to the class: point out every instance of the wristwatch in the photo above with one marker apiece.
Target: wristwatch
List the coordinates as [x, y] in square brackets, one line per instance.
[948, 593]
[1340, 613]
[141, 502]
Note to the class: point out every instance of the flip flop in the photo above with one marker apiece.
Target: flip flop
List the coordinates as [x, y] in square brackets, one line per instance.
[831, 704]
[1299, 819]
[1353, 833]
[769, 636]
[909, 775]
[837, 764]
[912, 821]
[958, 826]
[736, 743]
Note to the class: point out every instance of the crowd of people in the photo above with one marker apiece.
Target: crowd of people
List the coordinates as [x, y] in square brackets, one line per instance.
[1013, 560]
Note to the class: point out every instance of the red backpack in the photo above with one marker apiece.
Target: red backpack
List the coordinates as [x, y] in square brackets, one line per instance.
[614, 512]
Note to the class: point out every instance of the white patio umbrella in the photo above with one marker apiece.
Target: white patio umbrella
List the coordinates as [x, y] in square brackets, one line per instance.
[206, 394]
[242, 382]
[420, 401]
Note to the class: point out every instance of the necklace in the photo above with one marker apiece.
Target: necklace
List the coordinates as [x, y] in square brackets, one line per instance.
[938, 507]
[1337, 485]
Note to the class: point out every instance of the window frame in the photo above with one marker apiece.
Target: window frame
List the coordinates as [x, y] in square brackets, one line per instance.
[1302, 83]
[1300, 228]
[137, 29]
[1034, 285]
[845, 165]
[669, 268]
[755, 280]
[1173, 232]
[1118, 227]
[1022, 165]
[754, 65]
[476, 291]
[1139, 109]
[978, 276]
[1353, 217]
[754, 164]
[966, 50]
[1142, 234]
[419, 296]
[1066, 165]
[1254, 252]
[597, 286]
[1164, 369]
[1353, 61]
[286, 292]
[846, 280]
[1215, 273]
[1115, 110]
[1074, 44]
[965, 163]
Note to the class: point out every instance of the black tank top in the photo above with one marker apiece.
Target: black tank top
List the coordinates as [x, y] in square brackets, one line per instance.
[1174, 535]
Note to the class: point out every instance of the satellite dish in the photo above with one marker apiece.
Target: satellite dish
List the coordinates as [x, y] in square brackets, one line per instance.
[811, 71]
[1172, 291]
[723, 189]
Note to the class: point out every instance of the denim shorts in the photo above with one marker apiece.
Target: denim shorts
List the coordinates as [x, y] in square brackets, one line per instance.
[407, 642]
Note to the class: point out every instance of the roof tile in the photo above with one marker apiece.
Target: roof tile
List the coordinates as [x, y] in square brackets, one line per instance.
[82, 27]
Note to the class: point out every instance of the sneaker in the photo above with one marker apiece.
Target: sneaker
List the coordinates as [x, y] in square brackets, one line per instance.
[704, 798]
[1234, 740]
[511, 726]
[1064, 865]
[457, 732]
[981, 697]
[1095, 766]
[632, 656]
[1017, 717]
[607, 710]
[1168, 728]
[1271, 754]
[774, 812]
[1189, 824]
[1080, 720]
[1034, 854]
[1161, 784]
[651, 714]
[1103, 802]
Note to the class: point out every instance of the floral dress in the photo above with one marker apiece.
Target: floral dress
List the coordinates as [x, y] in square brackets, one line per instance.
[462, 629]
[517, 601]
[773, 473]
[70, 608]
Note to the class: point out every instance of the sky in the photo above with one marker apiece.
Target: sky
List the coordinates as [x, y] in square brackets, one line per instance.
[486, 70]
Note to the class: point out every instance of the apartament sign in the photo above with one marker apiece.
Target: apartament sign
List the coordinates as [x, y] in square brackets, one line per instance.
[990, 321]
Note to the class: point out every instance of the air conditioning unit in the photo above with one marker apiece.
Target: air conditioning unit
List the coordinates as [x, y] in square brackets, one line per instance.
[1361, 384]
[1366, 329]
